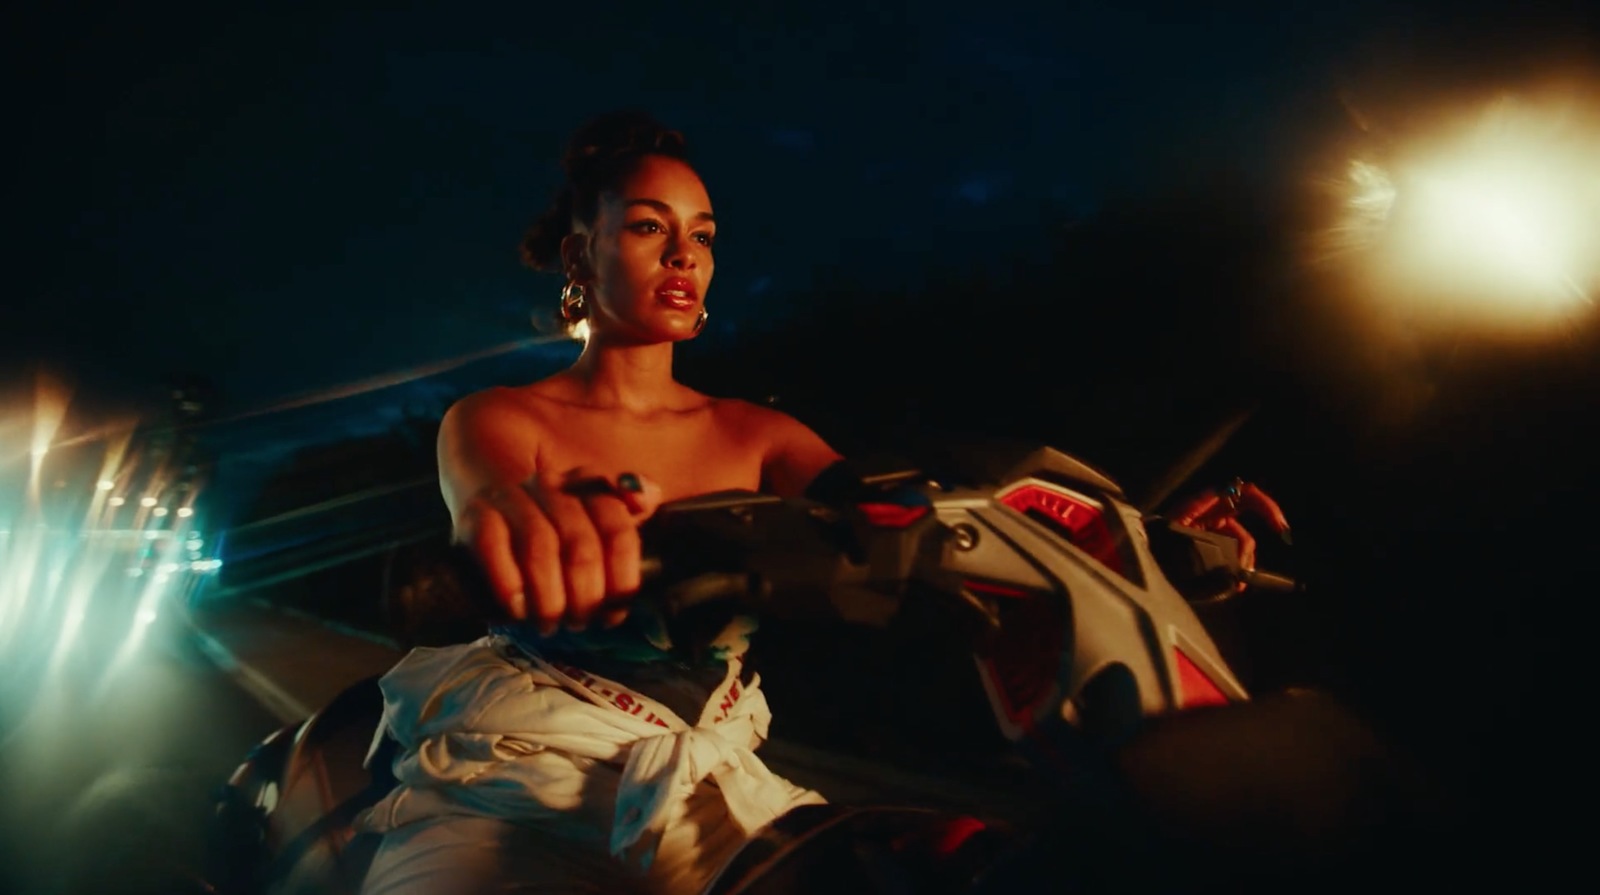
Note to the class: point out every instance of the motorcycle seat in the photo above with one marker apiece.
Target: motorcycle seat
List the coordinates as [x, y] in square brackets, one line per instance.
[322, 788]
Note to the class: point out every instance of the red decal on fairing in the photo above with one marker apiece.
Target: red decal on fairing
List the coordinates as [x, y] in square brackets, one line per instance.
[997, 590]
[1026, 654]
[891, 515]
[1195, 687]
[1079, 519]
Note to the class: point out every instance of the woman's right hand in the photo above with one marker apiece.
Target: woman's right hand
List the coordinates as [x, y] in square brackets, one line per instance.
[560, 547]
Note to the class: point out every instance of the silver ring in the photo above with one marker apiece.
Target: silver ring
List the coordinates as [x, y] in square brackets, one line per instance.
[1231, 492]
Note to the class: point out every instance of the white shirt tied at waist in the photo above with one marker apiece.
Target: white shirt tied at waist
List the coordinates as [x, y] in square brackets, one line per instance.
[486, 730]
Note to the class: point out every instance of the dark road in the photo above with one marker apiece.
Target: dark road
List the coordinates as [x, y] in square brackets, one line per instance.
[108, 776]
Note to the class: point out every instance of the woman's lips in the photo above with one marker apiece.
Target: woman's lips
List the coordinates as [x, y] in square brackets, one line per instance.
[678, 293]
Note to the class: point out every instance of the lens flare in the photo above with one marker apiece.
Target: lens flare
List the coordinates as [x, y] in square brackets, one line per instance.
[1367, 197]
[83, 587]
[1494, 218]
[50, 408]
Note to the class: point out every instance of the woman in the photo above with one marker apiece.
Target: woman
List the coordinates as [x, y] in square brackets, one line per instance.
[570, 751]
[620, 767]
[633, 232]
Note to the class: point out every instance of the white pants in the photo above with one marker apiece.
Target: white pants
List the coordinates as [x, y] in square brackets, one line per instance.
[517, 775]
[465, 855]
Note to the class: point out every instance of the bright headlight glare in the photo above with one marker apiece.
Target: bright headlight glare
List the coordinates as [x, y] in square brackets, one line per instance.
[1496, 219]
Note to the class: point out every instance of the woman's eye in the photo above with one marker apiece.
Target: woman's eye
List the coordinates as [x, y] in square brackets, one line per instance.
[648, 227]
[705, 239]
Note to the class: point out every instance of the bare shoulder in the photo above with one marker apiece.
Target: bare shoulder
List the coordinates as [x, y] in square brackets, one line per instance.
[498, 408]
[755, 420]
[792, 454]
[480, 401]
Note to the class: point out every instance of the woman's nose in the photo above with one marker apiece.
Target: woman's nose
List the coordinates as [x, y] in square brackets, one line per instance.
[679, 255]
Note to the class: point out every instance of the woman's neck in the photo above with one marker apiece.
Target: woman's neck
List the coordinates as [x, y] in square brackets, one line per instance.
[626, 377]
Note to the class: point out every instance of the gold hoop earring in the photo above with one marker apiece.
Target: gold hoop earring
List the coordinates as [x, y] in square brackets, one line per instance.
[700, 322]
[574, 302]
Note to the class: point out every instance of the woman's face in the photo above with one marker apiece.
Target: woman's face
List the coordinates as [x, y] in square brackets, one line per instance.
[650, 255]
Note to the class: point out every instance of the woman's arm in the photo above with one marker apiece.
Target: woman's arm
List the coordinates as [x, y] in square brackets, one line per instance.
[484, 443]
[550, 551]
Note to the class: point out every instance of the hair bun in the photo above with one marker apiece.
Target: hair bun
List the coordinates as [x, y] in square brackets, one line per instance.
[603, 141]
[599, 152]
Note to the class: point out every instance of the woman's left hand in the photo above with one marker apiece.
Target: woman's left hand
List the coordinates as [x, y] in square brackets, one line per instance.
[1220, 509]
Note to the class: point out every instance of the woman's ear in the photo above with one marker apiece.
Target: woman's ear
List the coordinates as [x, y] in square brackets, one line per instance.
[575, 257]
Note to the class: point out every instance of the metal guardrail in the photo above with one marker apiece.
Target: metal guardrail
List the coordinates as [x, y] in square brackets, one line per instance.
[313, 566]
[277, 564]
[334, 549]
[336, 503]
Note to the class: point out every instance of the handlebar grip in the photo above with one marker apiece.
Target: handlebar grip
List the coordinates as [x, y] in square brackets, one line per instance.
[681, 595]
[650, 567]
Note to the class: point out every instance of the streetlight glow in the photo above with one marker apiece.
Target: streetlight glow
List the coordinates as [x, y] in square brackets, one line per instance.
[1493, 218]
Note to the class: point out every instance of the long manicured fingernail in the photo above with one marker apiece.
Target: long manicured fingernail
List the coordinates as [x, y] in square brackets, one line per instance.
[1287, 537]
[549, 626]
[629, 488]
[614, 617]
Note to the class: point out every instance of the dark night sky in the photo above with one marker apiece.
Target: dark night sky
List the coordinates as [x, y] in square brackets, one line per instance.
[288, 201]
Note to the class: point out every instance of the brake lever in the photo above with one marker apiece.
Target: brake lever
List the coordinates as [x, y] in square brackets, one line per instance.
[1272, 581]
[1203, 565]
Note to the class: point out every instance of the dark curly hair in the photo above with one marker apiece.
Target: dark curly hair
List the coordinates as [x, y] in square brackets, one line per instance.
[601, 153]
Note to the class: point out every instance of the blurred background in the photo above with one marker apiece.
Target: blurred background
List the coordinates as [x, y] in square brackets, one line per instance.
[1347, 251]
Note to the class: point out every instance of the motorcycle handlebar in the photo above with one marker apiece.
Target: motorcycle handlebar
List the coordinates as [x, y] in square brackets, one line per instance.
[676, 573]
[650, 567]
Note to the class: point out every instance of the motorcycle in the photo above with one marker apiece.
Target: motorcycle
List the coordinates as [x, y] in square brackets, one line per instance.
[1031, 693]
